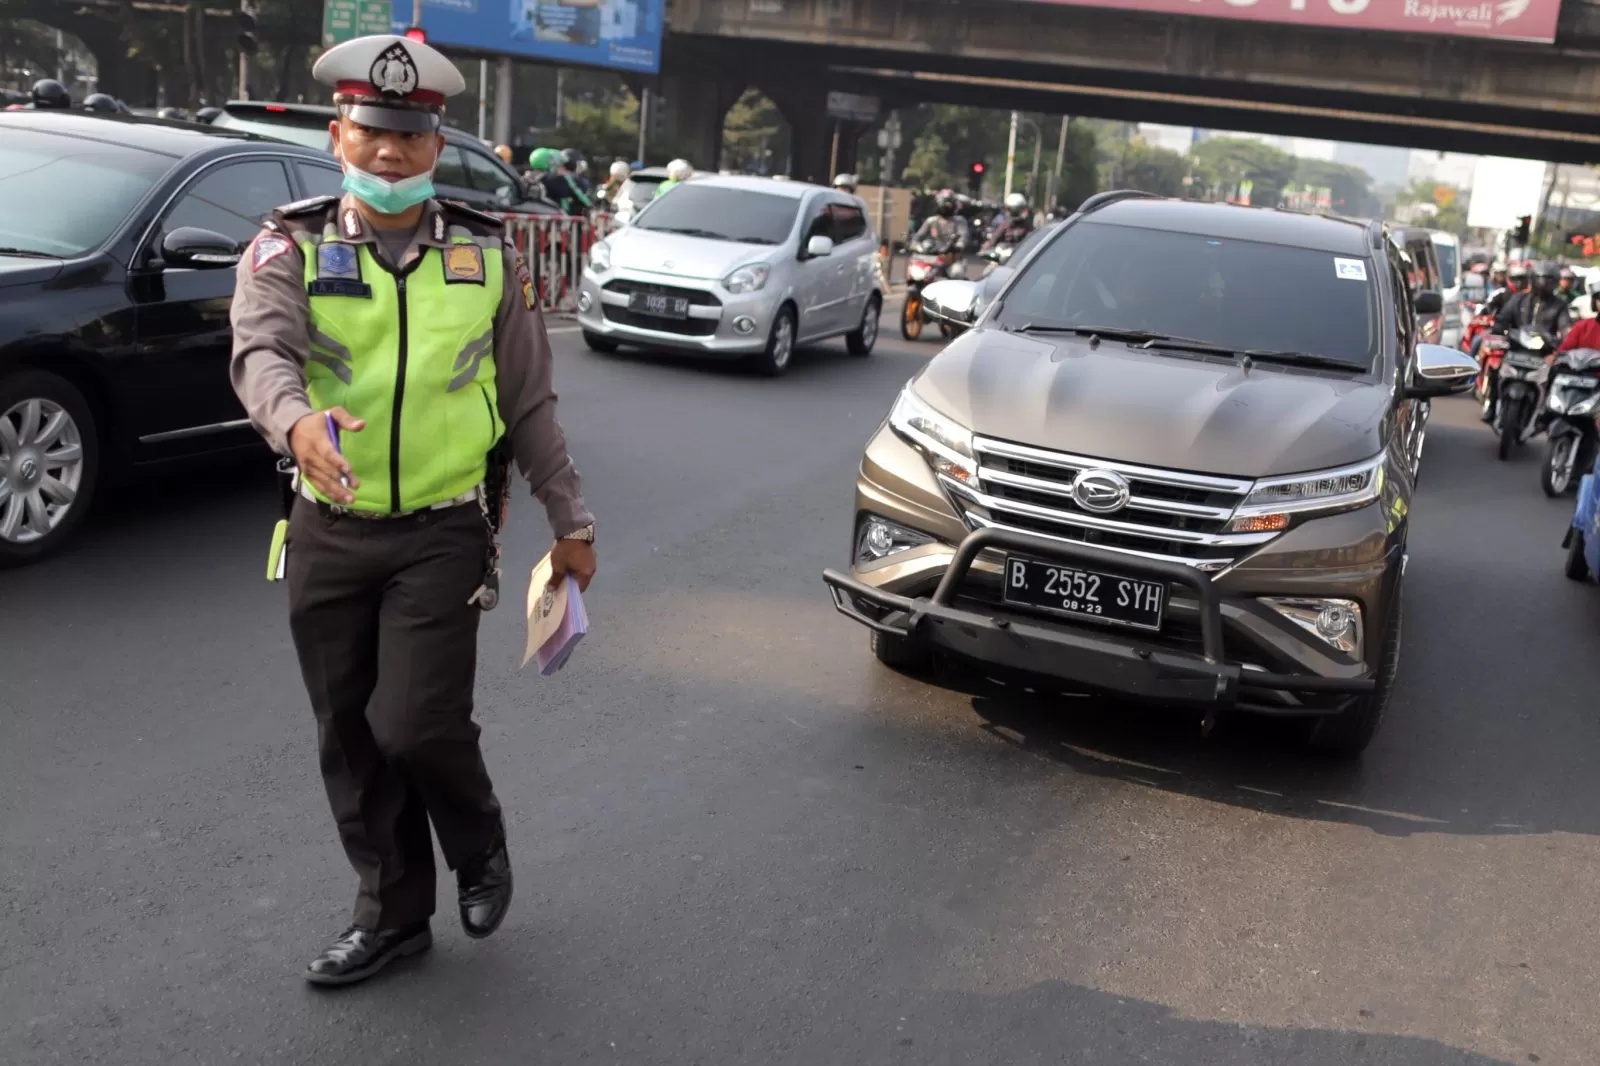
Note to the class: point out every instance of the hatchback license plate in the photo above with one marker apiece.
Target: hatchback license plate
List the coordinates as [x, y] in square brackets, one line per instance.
[651, 303]
[1128, 601]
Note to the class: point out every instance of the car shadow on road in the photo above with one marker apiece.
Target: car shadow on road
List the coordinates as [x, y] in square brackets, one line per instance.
[1263, 765]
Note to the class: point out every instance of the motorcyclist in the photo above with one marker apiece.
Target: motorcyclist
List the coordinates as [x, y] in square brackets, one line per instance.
[1537, 308]
[543, 161]
[678, 171]
[1564, 286]
[616, 177]
[562, 185]
[1585, 333]
[49, 94]
[845, 183]
[1012, 224]
[944, 228]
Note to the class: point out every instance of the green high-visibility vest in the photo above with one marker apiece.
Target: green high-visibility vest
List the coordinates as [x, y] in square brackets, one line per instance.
[412, 353]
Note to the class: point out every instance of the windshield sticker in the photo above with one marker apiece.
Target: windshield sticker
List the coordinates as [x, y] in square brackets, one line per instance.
[1350, 269]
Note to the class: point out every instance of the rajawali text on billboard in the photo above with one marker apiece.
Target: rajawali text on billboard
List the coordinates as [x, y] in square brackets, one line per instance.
[1502, 20]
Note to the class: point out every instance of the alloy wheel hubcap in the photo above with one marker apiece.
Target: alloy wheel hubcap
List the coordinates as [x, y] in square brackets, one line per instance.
[869, 325]
[785, 341]
[41, 469]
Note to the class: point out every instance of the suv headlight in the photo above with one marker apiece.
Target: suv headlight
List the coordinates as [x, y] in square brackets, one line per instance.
[1274, 500]
[600, 257]
[747, 278]
[946, 442]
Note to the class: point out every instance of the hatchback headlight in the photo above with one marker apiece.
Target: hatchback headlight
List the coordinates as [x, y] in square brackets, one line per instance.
[1273, 500]
[946, 442]
[747, 278]
[600, 257]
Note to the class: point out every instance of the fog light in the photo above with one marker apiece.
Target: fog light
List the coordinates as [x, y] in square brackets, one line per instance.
[585, 301]
[744, 324]
[1336, 623]
[879, 539]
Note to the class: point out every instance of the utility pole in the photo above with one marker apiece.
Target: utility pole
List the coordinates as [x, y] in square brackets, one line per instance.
[561, 84]
[1011, 153]
[1033, 175]
[644, 120]
[483, 99]
[1061, 158]
[889, 141]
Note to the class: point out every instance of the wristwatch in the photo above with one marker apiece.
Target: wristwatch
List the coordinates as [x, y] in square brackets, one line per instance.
[586, 534]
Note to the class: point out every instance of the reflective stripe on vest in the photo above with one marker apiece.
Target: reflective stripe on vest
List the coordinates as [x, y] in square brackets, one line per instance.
[412, 354]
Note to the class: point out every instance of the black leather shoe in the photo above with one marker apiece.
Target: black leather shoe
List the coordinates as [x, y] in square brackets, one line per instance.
[485, 892]
[361, 952]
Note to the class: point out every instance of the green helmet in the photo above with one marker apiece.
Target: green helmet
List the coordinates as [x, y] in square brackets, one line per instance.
[545, 159]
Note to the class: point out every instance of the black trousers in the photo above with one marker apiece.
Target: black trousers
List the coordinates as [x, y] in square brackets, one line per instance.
[388, 650]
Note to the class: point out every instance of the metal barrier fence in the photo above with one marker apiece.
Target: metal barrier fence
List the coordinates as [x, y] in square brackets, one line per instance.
[556, 247]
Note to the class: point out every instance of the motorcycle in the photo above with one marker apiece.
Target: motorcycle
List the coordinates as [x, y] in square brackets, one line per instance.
[1490, 355]
[1569, 413]
[1522, 376]
[929, 263]
[1479, 324]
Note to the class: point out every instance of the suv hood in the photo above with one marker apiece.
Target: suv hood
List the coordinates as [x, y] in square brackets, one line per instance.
[26, 270]
[1155, 409]
[686, 257]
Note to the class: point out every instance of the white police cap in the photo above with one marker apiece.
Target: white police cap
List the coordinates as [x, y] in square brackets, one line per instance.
[389, 82]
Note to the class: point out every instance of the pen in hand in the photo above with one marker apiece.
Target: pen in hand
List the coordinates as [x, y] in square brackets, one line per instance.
[333, 436]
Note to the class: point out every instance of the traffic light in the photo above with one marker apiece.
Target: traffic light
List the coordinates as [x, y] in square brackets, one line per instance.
[1524, 230]
[417, 33]
[975, 178]
[246, 23]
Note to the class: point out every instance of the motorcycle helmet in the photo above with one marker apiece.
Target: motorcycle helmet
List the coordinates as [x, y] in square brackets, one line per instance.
[679, 170]
[545, 159]
[845, 182]
[207, 114]
[572, 159]
[945, 203]
[504, 152]
[1567, 278]
[49, 93]
[1518, 277]
[620, 171]
[1544, 277]
[1016, 203]
[100, 102]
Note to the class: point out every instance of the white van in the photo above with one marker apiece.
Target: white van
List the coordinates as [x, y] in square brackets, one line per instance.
[1448, 248]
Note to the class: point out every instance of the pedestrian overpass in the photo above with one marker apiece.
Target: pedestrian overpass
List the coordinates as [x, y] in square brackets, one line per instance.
[1456, 89]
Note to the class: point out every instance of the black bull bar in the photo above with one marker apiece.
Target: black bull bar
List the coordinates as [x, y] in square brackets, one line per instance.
[1127, 665]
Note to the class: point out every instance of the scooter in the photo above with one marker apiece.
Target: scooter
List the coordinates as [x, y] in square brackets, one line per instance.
[1568, 417]
[1490, 355]
[1479, 324]
[1522, 376]
[929, 263]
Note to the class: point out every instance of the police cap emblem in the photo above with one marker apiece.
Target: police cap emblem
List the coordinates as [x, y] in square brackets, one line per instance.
[393, 72]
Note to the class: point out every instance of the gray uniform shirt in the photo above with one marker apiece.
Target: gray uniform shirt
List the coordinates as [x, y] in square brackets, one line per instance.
[271, 320]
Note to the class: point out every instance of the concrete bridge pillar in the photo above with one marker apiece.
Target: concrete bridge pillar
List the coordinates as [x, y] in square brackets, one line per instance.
[691, 113]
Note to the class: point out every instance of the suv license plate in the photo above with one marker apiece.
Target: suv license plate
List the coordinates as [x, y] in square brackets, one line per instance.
[650, 303]
[1128, 601]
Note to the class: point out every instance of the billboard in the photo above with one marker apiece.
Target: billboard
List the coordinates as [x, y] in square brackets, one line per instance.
[619, 34]
[1501, 20]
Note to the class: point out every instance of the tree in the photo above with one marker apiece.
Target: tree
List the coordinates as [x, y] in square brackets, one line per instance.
[1080, 172]
[929, 165]
[1152, 169]
[755, 138]
[1349, 187]
[1237, 168]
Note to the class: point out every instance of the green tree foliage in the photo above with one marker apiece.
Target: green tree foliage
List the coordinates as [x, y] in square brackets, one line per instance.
[1152, 169]
[1223, 165]
[1350, 187]
[929, 165]
[755, 138]
[1080, 172]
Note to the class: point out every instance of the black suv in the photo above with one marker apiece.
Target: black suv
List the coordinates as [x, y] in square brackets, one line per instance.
[118, 237]
[468, 171]
[1195, 495]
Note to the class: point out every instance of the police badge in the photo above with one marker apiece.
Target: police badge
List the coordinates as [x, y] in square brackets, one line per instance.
[394, 73]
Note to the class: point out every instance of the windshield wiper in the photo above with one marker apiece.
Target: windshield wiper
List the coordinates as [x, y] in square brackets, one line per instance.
[688, 232]
[1293, 358]
[27, 252]
[755, 240]
[1108, 332]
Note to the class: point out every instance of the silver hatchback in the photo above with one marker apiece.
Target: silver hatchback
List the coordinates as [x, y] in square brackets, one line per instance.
[736, 266]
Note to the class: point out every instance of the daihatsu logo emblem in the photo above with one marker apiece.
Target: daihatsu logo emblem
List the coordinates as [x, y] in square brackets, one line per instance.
[1100, 491]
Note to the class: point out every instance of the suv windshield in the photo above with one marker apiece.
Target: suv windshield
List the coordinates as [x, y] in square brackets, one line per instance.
[66, 195]
[722, 214]
[1241, 295]
[1447, 263]
[296, 127]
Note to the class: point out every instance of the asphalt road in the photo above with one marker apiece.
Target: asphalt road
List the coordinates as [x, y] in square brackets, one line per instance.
[740, 840]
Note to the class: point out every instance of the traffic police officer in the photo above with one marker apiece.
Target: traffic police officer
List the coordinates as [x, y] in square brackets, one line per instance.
[390, 342]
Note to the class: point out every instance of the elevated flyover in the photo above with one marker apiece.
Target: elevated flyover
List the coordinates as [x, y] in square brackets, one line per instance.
[1436, 89]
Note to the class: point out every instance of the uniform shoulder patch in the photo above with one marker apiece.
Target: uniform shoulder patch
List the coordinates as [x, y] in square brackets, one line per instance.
[310, 205]
[460, 212]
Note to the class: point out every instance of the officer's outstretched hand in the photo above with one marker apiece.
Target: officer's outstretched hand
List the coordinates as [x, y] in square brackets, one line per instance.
[319, 461]
[575, 557]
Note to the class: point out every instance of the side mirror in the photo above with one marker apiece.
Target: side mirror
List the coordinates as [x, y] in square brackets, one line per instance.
[1428, 302]
[955, 302]
[190, 246]
[1441, 371]
[819, 247]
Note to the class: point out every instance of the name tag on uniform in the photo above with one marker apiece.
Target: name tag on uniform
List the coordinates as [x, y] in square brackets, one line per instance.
[339, 272]
[463, 263]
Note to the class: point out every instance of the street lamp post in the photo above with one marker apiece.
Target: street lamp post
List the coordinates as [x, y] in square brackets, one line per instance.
[1061, 158]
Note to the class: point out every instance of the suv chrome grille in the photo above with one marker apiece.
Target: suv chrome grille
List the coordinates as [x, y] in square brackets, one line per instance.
[1171, 515]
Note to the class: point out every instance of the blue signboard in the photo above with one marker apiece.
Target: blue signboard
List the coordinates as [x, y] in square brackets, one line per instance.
[620, 34]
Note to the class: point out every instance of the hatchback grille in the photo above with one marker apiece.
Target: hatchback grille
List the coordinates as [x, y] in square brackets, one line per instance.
[696, 297]
[1171, 515]
[688, 327]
